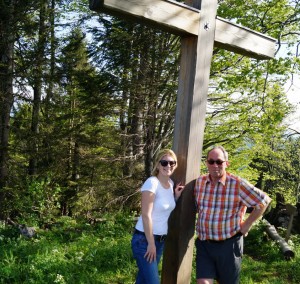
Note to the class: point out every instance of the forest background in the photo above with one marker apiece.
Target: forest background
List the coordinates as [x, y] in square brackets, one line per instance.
[87, 100]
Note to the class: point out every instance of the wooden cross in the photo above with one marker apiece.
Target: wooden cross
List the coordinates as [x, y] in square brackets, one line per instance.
[200, 28]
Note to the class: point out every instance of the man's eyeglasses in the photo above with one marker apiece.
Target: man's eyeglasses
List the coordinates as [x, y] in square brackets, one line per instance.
[164, 163]
[218, 162]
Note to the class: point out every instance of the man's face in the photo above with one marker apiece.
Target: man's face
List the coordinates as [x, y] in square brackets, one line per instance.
[216, 163]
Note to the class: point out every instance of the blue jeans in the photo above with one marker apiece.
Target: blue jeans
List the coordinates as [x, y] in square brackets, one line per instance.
[147, 272]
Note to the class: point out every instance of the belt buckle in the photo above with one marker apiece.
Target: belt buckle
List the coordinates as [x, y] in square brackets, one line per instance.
[162, 238]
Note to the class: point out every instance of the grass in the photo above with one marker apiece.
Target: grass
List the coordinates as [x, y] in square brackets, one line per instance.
[264, 262]
[75, 252]
[68, 253]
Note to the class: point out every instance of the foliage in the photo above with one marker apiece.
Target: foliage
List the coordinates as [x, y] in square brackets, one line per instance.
[92, 98]
[247, 103]
[87, 100]
[264, 262]
[75, 252]
[70, 252]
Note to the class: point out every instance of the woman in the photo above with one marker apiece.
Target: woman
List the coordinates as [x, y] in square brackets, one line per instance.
[158, 201]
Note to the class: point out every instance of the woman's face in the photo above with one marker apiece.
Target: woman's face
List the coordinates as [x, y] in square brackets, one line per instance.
[166, 165]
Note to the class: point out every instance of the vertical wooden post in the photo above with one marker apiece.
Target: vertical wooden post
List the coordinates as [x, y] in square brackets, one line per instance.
[292, 210]
[196, 54]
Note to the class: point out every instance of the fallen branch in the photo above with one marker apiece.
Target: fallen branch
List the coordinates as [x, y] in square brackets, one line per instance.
[286, 250]
[24, 230]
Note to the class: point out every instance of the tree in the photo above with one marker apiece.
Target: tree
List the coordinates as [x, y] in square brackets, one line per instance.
[7, 37]
[12, 14]
[248, 104]
[86, 115]
[146, 62]
[38, 67]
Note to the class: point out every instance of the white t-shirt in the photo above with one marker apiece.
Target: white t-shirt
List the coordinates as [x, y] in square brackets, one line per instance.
[164, 204]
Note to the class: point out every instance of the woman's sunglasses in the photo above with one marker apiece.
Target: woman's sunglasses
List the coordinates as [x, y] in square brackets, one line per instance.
[164, 163]
[218, 162]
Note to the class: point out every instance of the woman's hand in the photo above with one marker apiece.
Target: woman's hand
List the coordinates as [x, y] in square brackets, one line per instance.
[150, 254]
[178, 190]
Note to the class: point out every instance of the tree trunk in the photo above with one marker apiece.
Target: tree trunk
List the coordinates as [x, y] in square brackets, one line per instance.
[37, 89]
[6, 89]
[49, 94]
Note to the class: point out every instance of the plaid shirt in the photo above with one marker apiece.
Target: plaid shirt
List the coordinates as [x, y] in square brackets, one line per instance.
[221, 207]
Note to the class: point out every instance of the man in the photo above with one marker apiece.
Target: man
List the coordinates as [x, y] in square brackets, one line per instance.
[222, 200]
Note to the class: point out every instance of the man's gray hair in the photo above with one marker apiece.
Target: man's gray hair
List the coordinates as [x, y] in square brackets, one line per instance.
[222, 149]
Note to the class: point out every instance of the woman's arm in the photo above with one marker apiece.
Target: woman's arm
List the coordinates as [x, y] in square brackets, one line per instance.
[147, 207]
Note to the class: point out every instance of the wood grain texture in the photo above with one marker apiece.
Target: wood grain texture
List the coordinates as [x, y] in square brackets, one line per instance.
[196, 55]
[183, 20]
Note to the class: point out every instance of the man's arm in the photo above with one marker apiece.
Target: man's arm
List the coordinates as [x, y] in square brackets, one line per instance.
[253, 216]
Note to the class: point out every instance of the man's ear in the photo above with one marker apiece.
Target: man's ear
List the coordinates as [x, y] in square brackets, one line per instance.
[227, 164]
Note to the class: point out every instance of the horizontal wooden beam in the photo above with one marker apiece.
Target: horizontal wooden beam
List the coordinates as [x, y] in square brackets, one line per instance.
[171, 16]
[243, 40]
[183, 20]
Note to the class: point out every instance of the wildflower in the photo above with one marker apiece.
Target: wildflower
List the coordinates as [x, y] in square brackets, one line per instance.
[59, 279]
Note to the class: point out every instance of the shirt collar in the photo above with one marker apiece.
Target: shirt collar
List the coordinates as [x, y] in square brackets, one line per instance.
[221, 180]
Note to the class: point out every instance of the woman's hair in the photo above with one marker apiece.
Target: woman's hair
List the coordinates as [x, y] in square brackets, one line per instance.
[222, 149]
[159, 156]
